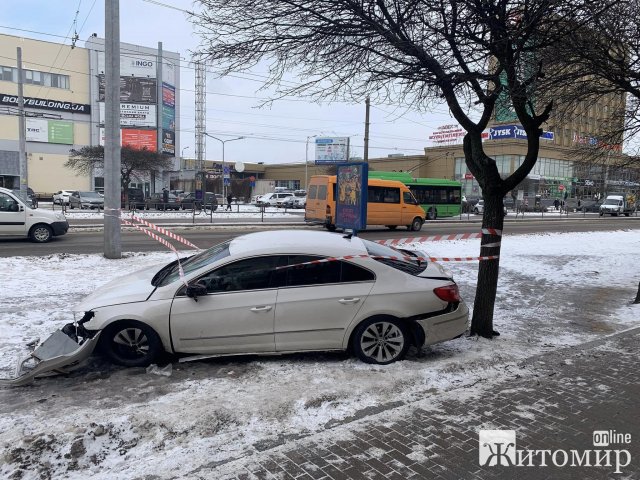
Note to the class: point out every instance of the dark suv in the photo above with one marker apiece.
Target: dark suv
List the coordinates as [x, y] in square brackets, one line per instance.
[135, 199]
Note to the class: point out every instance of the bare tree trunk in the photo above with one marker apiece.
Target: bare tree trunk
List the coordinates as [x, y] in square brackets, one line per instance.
[483, 307]
[637, 300]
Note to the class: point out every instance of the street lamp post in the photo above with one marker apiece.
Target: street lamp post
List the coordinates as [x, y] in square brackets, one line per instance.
[306, 161]
[224, 194]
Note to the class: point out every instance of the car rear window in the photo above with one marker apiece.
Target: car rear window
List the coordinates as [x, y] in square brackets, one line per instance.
[412, 267]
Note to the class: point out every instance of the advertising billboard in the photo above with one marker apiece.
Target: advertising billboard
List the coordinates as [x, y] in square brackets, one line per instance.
[132, 64]
[49, 131]
[332, 150]
[134, 115]
[139, 139]
[351, 196]
[168, 142]
[132, 89]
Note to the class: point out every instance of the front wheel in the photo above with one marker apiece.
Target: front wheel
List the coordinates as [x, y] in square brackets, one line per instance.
[416, 225]
[41, 233]
[380, 341]
[131, 344]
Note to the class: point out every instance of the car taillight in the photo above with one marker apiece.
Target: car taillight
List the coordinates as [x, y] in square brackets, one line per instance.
[449, 293]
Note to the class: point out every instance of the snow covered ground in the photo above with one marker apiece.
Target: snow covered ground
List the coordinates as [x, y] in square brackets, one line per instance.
[107, 422]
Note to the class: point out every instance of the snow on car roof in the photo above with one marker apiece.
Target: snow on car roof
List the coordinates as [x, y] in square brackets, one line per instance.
[296, 241]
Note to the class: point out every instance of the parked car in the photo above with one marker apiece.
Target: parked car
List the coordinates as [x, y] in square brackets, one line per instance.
[84, 200]
[18, 218]
[468, 203]
[189, 200]
[272, 199]
[478, 208]
[590, 206]
[135, 199]
[61, 197]
[156, 201]
[241, 296]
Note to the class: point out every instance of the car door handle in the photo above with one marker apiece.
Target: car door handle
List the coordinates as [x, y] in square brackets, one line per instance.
[349, 300]
[266, 308]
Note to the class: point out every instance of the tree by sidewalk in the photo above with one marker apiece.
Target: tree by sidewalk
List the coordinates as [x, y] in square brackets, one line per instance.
[467, 53]
[134, 163]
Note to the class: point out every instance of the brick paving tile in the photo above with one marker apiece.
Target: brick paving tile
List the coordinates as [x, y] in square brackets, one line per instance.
[574, 391]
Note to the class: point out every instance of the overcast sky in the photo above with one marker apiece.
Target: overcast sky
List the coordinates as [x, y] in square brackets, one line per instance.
[274, 135]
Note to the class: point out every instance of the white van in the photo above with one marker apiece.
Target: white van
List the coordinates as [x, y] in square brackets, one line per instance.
[16, 218]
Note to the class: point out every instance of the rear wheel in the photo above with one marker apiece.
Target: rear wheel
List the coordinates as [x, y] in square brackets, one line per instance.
[331, 227]
[432, 214]
[41, 233]
[130, 343]
[381, 341]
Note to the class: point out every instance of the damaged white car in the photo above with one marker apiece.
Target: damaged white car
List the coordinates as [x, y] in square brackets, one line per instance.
[268, 293]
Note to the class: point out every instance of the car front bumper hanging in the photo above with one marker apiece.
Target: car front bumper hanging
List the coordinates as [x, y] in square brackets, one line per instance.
[58, 354]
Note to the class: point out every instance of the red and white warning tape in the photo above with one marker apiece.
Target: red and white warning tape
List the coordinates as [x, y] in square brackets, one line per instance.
[166, 232]
[160, 240]
[438, 238]
[421, 259]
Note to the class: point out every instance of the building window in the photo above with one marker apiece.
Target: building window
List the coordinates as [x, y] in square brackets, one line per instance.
[32, 77]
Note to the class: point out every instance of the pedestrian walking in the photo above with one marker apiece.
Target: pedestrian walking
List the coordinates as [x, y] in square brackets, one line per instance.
[229, 199]
[556, 204]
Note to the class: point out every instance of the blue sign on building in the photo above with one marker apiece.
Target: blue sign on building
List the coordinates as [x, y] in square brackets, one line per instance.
[351, 196]
[501, 132]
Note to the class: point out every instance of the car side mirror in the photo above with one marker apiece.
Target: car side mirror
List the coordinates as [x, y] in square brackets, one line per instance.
[196, 290]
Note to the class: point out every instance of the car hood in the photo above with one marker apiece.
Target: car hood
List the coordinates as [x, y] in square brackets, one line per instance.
[135, 287]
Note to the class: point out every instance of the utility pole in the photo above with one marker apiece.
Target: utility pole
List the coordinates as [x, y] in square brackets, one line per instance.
[112, 161]
[306, 161]
[158, 115]
[22, 131]
[366, 131]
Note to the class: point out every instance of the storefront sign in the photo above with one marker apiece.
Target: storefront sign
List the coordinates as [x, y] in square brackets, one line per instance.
[45, 104]
[49, 131]
[502, 132]
[448, 134]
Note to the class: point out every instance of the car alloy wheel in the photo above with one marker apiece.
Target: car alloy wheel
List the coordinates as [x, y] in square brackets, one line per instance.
[381, 341]
[41, 233]
[132, 344]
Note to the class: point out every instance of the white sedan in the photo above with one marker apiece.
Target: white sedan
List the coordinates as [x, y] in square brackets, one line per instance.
[276, 292]
[61, 197]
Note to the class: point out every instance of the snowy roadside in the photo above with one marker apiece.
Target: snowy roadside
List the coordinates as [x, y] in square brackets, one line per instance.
[555, 290]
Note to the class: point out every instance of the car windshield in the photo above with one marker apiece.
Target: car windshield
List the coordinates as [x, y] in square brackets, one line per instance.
[412, 267]
[90, 195]
[611, 201]
[191, 264]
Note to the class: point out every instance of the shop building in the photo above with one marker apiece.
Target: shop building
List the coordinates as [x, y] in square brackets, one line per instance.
[64, 109]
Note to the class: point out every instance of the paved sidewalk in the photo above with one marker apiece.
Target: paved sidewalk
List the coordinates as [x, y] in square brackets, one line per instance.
[557, 403]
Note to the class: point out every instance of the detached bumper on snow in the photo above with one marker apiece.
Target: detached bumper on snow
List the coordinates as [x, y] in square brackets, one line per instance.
[57, 354]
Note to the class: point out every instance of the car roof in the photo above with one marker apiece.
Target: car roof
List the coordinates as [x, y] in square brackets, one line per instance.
[296, 241]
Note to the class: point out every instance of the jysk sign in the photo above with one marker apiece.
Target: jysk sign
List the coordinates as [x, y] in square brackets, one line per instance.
[351, 196]
[502, 132]
[45, 104]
